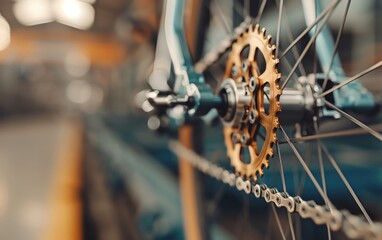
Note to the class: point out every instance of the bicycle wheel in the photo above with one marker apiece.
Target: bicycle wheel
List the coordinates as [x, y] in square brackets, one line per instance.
[296, 114]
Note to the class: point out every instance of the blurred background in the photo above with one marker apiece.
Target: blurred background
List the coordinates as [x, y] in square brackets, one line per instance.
[77, 157]
[61, 62]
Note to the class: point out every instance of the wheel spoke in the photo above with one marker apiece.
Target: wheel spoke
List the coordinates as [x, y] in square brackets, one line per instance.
[261, 10]
[278, 221]
[242, 227]
[289, 66]
[348, 186]
[311, 41]
[350, 132]
[323, 14]
[297, 220]
[315, 48]
[213, 204]
[356, 121]
[294, 50]
[240, 10]
[336, 44]
[308, 159]
[355, 77]
[285, 190]
[246, 8]
[279, 27]
[222, 17]
[306, 168]
[322, 171]
[281, 167]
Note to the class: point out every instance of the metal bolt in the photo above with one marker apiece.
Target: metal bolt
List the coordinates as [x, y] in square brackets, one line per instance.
[257, 190]
[267, 196]
[252, 84]
[246, 90]
[244, 138]
[244, 66]
[245, 114]
[252, 116]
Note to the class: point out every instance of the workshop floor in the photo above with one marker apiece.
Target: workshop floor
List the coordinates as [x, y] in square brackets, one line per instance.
[39, 172]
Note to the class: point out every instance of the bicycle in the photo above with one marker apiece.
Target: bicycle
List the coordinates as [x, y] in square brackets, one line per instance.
[259, 106]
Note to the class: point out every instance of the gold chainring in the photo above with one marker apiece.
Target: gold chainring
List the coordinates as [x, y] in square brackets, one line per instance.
[261, 81]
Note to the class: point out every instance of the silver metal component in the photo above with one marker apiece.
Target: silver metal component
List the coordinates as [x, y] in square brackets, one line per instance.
[239, 182]
[228, 178]
[225, 177]
[205, 167]
[256, 189]
[298, 102]
[231, 178]
[252, 116]
[244, 66]
[354, 226]
[285, 200]
[216, 172]
[269, 195]
[243, 185]
[307, 209]
[302, 102]
[252, 84]
[247, 186]
[168, 100]
[322, 213]
[279, 200]
[335, 222]
[237, 100]
[293, 104]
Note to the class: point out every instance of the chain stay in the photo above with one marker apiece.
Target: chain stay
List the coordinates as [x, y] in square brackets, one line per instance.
[353, 226]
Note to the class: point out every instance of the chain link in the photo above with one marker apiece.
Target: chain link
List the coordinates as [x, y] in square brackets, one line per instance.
[354, 227]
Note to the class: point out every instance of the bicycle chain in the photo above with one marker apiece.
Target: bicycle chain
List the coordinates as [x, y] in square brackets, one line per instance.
[354, 227]
[213, 56]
